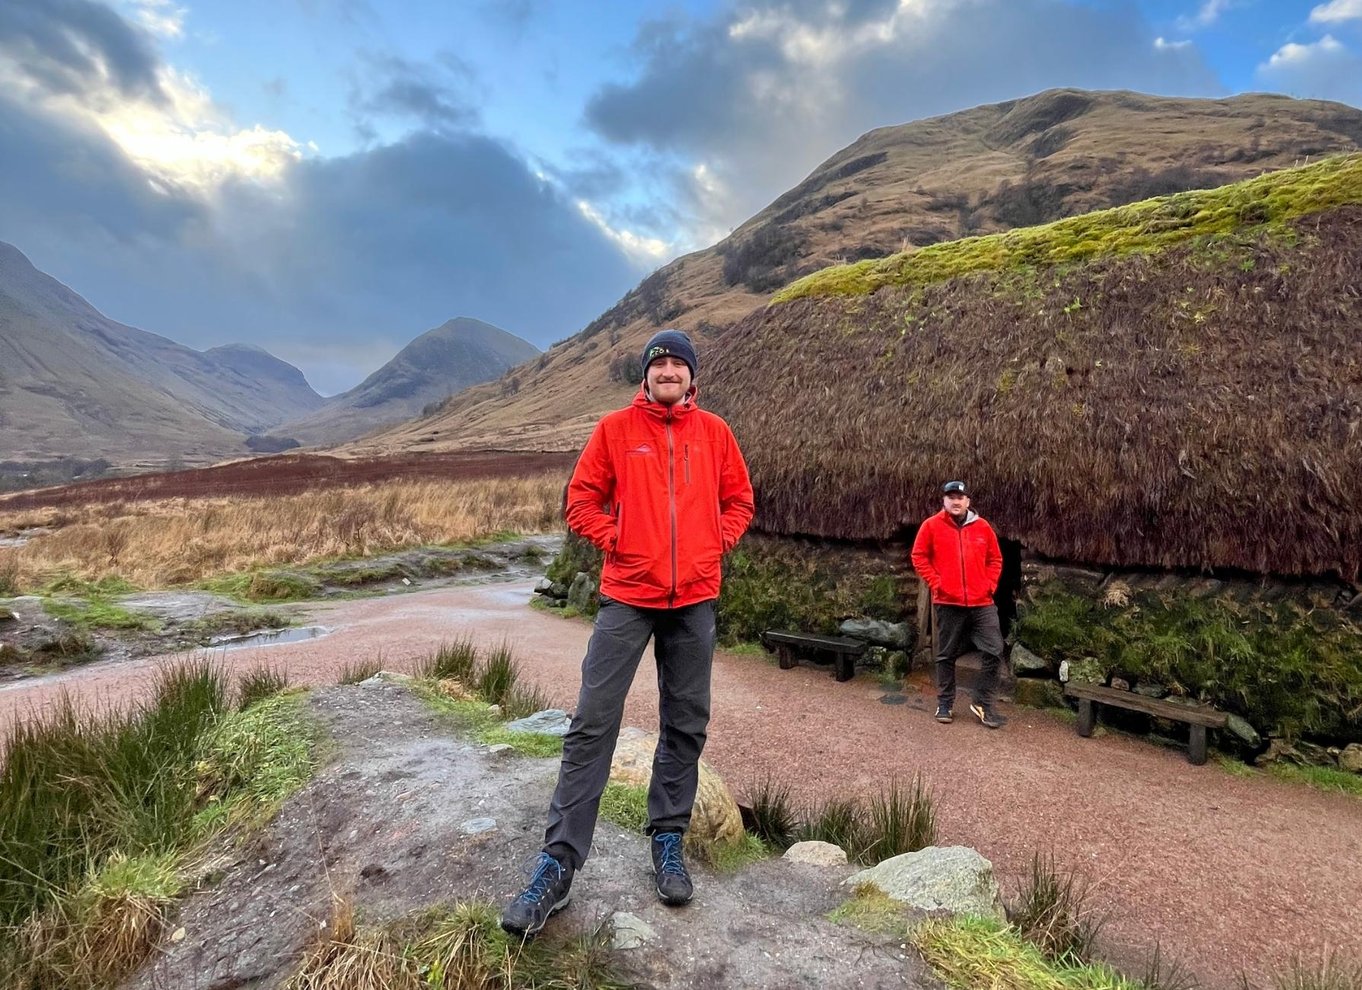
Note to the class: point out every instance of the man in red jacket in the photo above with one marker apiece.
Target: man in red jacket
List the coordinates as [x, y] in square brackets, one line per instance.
[956, 553]
[662, 489]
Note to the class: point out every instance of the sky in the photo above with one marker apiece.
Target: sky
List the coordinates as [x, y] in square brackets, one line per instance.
[330, 178]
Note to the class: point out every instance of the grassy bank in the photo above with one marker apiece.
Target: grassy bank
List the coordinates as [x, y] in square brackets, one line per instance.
[103, 820]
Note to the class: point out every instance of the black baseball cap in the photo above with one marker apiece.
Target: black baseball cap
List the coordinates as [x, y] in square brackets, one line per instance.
[954, 488]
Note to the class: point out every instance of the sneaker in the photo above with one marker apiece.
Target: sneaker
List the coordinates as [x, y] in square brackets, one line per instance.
[989, 718]
[669, 868]
[944, 715]
[546, 894]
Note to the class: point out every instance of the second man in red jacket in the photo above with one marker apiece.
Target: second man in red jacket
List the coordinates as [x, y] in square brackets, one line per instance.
[956, 553]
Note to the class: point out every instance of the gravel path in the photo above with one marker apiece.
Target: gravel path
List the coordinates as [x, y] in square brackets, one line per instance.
[1226, 874]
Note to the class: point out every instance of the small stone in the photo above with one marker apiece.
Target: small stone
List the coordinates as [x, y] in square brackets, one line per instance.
[1148, 689]
[815, 853]
[543, 587]
[1027, 664]
[476, 826]
[499, 748]
[1120, 684]
[1243, 731]
[550, 722]
[630, 931]
[178, 935]
[1350, 758]
[494, 710]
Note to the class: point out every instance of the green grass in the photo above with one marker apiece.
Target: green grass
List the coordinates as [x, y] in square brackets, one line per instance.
[357, 671]
[1269, 201]
[1320, 778]
[474, 718]
[266, 586]
[968, 953]
[895, 821]
[259, 683]
[1053, 913]
[626, 806]
[99, 614]
[872, 910]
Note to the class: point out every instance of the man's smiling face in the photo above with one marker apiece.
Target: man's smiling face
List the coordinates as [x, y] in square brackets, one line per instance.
[668, 380]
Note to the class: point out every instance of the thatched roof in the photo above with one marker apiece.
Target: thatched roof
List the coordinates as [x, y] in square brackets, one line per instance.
[1195, 405]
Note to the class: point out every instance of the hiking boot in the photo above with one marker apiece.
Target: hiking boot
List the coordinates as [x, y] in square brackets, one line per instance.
[669, 868]
[546, 893]
[989, 718]
[944, 715]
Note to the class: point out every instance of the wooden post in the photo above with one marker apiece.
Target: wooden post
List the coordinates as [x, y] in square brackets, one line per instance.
[1196, 748]
[1087, 716]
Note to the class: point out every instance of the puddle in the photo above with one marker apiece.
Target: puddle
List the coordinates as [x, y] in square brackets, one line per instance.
[267, 637]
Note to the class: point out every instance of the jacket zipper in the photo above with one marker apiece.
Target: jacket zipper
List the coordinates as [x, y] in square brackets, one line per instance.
[686, 448]
[671, 502]
[964, 587]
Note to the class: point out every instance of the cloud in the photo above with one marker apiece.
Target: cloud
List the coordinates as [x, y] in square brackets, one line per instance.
[1325, 69]
[1336, 11]
[744, 104]
[1206, 15]
[334, 262]
[427, 95]
[1164, 45]
[161, 18]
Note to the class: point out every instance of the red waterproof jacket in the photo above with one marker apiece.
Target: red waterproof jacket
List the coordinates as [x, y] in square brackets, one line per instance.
[961, 564]
[663, 490]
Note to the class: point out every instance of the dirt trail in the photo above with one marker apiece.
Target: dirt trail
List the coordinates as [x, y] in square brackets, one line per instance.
[1227, 874]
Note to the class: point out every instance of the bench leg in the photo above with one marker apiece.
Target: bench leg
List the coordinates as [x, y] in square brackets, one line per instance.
[846, 666]
[787, 657]
[1087, 717]
[1196, 748]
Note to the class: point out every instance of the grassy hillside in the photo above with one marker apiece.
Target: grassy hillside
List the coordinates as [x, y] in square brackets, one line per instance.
[1058, 154]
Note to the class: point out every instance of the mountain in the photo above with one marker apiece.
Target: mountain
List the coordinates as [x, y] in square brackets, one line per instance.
[74, 383]
[439, 363]
[989, 169]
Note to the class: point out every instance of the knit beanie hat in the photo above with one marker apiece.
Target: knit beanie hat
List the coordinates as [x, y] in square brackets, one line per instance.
[670, 343]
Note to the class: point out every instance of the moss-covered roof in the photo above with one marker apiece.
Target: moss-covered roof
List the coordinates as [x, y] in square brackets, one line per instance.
[1194, 404]
[1150, 225]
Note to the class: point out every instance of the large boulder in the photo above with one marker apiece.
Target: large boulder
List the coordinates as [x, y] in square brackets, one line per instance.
[1350, 758]
[939, 878]
[1027, 664]
[582, 592]
[714, 819]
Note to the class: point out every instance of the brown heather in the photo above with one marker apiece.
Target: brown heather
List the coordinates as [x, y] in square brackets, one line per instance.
[1173, 409]
[159, 543]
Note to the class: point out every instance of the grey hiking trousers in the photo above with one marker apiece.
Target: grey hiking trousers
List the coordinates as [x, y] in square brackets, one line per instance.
[683, 643]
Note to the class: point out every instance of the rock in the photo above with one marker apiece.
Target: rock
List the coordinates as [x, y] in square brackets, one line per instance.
[8, 616]
[1088, 670]
[549, 722]
[1037, 693]
[892, 634]
[543, 587]
[582, 591]
[559, 590]
[1350, 758]
[1150, 690]
[476, 826]
[715, 817]
[897, 663]
[498, 748]
[1300, 753]
[816, 854]
[1027, 664]
[494, 711]
[1243, 731]
[951, 878]
[388, 677]
[630, 931]
[1120, 684]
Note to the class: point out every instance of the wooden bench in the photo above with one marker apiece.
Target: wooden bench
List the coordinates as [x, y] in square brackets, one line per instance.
[789, 644]
[1198, 717]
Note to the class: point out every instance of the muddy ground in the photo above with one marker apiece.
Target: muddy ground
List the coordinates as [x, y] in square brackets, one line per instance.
[387, 823]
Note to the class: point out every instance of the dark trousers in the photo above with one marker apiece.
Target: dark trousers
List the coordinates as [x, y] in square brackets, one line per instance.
[960, 628]
[683, 643]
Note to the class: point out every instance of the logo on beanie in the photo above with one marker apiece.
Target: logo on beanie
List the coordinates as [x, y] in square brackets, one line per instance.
[656, 352]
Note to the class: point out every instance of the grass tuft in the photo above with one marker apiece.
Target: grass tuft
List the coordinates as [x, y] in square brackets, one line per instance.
[264, 681]
[451, 661]
[1331, 972]
[773, 813]
[359, 670]
[870, 909]
[900, 821]
[626, 805]
[1053, 914]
